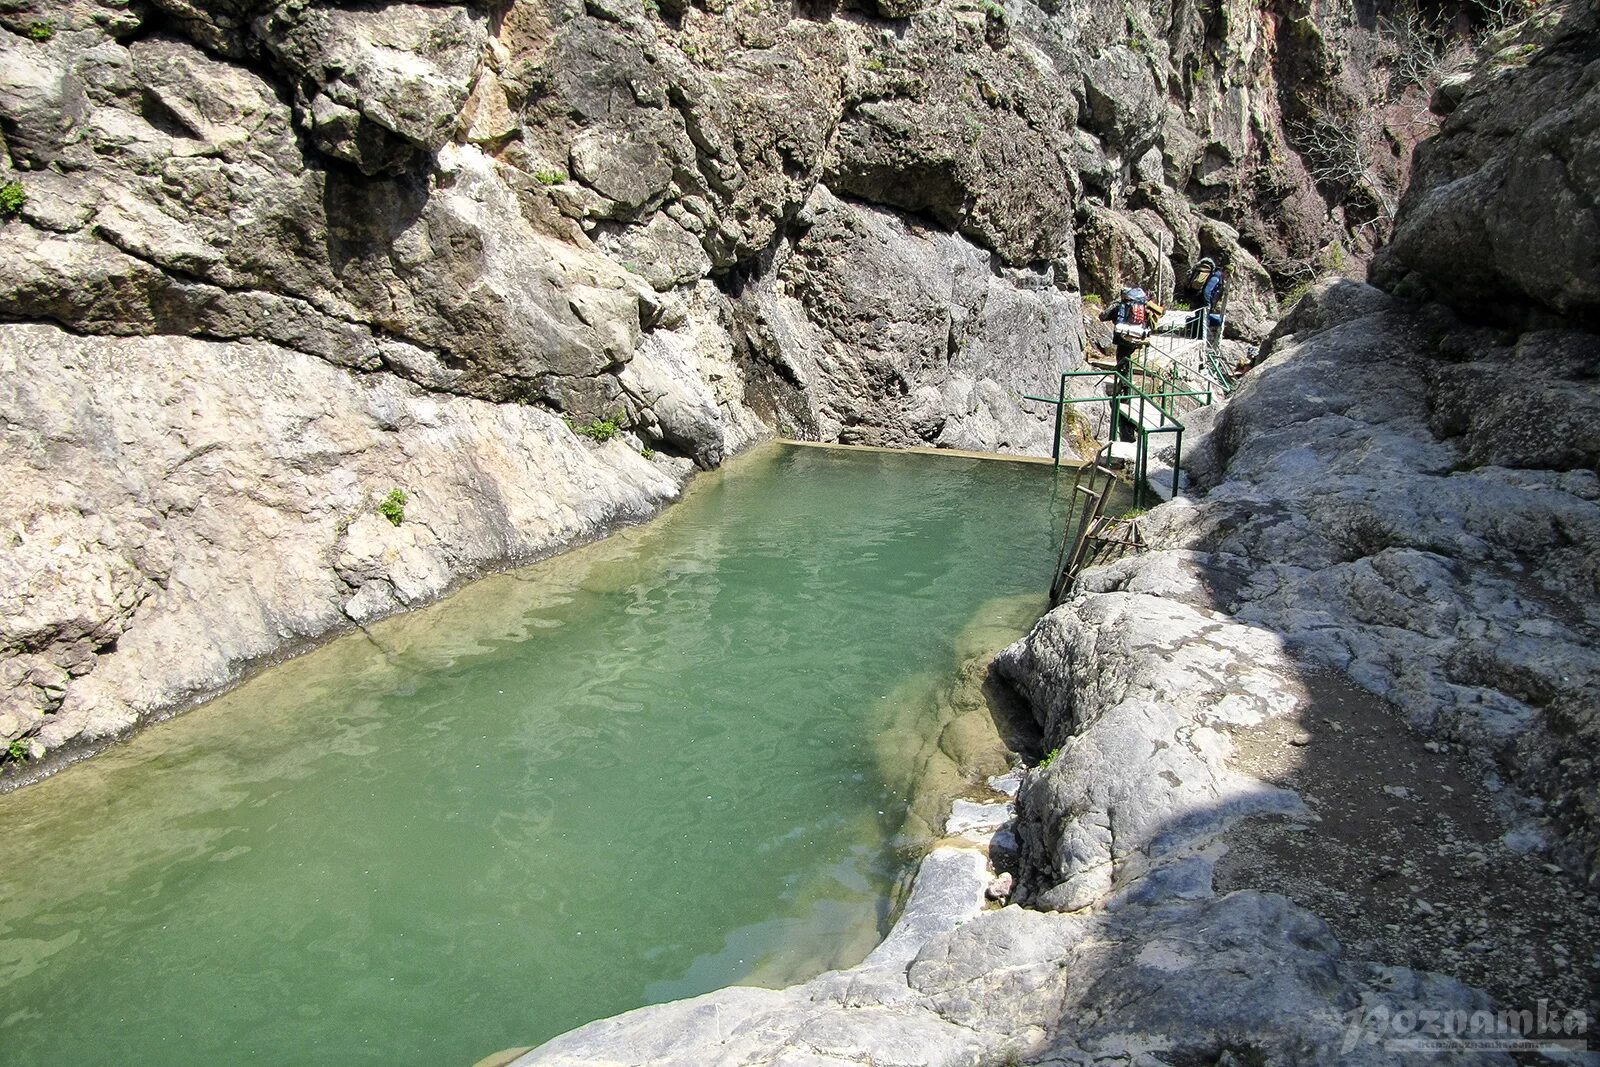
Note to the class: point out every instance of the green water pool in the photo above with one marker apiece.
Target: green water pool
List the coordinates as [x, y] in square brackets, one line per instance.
[639, 771]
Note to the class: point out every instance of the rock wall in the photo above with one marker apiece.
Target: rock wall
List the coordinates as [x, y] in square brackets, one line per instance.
[192, 507]
[1405, 493]
[1502, 223]
[1322, 759]
[706, 222]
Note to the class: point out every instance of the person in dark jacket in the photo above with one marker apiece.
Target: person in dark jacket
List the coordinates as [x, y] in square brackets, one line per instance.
[1210, 282]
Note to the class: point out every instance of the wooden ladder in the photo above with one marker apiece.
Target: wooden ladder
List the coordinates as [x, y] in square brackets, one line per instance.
[1097, 537]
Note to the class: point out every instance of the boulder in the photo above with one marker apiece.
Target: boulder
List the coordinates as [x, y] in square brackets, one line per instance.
[899, 333]
[1501, 218]
[377, 87]
[968, 134]
[1123, 105]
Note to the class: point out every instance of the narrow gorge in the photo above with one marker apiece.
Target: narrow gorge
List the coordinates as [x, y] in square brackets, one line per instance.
[312, 313]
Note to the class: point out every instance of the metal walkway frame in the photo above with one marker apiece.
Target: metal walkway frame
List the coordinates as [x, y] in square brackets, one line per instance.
[1171, 337]
[1148, 399]
[1147, 413]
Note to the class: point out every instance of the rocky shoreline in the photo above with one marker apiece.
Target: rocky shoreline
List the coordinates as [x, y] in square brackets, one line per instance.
[875, 224]
[1232, 853]
[307, 314]
[1319, 783]
[225, 515]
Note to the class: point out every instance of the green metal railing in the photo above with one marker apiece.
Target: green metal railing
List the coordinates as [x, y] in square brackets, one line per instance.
[1169, 380]
[1163, 401]
[1208, 366]
[1224, 379]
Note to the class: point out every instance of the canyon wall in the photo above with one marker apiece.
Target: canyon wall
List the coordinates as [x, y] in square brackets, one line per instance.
[1318, 775]
[266, 264]
[309, 311]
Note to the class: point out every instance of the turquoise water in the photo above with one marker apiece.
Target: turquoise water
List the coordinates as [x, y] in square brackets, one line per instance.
[636, 772]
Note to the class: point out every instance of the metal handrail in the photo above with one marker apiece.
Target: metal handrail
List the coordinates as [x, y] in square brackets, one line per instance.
[1197, 327]
[1161, 399]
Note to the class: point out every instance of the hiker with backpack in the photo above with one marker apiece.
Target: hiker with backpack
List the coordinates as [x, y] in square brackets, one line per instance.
[1132, 317]
[1210, 283]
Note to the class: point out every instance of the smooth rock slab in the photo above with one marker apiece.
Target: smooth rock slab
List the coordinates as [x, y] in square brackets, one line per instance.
[968, 817]
[1190, 980]
[224, 503]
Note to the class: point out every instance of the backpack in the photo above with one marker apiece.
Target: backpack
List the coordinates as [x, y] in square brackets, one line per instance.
[1131, 310]
[1202, 272]
[1133, 317]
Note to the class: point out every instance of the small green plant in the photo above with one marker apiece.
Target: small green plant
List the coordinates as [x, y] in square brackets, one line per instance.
[12, 197]
[1049, 758]
[992, 9]
[1181, 305]
[41, 31]
[647, 452]
[17, 751]
[393, 507]
[549, 177]
[1094, 299]
[1515, 56]
[600, 430]
[1295, 295]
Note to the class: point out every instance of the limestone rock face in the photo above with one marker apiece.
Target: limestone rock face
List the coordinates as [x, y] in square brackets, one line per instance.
[217, 228]
[946, 123]
[222, 505]
[1169, 968]
[1446, 559]
[384, 81]
[906, 334]
[282, 260]
[1502, 218]
[1112, 802]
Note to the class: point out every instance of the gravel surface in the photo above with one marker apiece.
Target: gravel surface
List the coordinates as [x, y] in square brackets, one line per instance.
[1407, 857]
